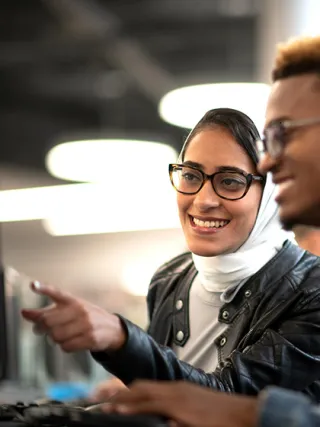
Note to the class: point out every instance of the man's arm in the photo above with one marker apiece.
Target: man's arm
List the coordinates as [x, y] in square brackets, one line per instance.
[194, 406]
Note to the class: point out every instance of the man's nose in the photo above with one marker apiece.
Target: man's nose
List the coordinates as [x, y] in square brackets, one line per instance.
[266, 164]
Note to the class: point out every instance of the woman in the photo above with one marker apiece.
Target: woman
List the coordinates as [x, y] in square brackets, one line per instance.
[243, 306]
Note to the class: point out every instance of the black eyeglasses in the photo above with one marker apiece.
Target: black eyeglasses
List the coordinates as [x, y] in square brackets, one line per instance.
[229, 185]
[276, 136]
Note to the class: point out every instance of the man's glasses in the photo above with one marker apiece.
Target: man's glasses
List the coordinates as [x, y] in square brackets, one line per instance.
[229, 185]
[276, 135]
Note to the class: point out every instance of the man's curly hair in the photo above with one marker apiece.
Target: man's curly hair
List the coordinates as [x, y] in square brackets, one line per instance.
[297, 56]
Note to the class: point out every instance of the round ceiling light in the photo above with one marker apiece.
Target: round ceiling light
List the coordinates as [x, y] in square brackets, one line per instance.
[185, 106]
[109, 160]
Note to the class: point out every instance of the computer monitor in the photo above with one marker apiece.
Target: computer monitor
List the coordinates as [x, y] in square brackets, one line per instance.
[16, 383]
[29, 360]
[3, 330]
[9, 326]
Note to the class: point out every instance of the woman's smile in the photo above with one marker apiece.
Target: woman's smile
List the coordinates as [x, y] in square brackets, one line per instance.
[209, 225]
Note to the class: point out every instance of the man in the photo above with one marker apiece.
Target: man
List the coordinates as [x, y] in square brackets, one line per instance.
[292, 154]
[308, 238]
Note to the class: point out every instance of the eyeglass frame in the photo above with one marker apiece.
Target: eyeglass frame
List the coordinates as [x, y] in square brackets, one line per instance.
[263, 146]
[250, 178]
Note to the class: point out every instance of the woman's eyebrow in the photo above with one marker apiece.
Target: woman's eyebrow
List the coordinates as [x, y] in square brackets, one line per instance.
[193, 164]
[224, 168]
[231, 169]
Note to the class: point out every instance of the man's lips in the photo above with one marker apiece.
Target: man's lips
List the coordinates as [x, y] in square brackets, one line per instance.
[281, 179]
[284, 186]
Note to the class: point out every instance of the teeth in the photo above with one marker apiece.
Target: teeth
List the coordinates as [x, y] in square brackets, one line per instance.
[209, 224]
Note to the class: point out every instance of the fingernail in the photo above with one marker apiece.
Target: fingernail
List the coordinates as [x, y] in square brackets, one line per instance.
[36, 285]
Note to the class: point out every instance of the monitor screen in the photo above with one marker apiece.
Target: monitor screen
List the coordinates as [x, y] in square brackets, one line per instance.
[3, 330]
[18, 348]
[18, 343]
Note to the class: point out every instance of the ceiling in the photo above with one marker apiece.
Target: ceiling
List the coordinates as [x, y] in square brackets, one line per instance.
[70, 67]
[75, 67]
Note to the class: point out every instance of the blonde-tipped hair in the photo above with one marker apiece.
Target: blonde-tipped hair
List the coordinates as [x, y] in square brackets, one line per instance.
[297, 56]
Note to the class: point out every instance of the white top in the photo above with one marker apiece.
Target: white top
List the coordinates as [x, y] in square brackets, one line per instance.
[200, 350]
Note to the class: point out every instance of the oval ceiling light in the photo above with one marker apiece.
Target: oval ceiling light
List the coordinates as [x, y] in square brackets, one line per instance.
[109, 160]
[118, 210]
[28, 204]
[185, 106]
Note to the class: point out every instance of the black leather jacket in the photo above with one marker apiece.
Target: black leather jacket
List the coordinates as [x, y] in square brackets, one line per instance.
[273, 335]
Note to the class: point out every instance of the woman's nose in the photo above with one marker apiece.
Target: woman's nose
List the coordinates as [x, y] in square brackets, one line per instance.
[206, 198]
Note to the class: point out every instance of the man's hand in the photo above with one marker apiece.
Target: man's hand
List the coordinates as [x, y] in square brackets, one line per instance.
[105, 390]
[187, 405]
[75, 324]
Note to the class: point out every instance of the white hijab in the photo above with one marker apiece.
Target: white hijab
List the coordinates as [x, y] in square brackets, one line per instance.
[267, 236]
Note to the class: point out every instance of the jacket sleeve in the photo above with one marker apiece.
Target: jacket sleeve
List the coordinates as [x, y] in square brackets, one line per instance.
[287, 356]
[278, 407]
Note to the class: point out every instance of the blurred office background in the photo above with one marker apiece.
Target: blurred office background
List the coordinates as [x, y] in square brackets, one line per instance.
[97, 218]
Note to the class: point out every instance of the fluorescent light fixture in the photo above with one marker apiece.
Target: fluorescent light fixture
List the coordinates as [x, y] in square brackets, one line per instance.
[185, 106]
[39, 202]
[125, 211]
[97, 224]
[128, 189]
[93, 208]
[109, 160]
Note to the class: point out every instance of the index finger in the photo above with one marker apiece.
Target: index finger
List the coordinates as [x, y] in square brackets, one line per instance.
[56, 295]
